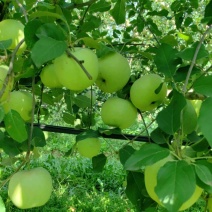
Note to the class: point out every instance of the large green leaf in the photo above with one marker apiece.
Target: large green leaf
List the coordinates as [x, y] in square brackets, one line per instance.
[188, 53]
[169, 119]
[100, 6]
[203, 170]
[15, 126]
[119, 12]
[1, 113]
[125, 152]
[165, 59]
[176, 183]
[205, 119]
[148, 154]
[203, 85]
[135, 183]
[29, 32]
[47, 49]
[98, 162]
[82, 101]
[51, 30]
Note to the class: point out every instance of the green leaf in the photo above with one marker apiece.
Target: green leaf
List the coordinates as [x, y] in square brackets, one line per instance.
[165, 60]
[203, 170]
[15, 126]
[203, 85]
[148, 154]
[46, 13]
[159, 136]
[125, 152]
[2, 206]
[98, 162]
[140, 24]
[176, 182]
[205, 119]
[4, 44]
[10, 146]
[100, 6]
[51, 30]
[82, 101]
[69, 118]
[208, 15]
[29, 32]
[169, 119]
[38, 137]
[188, 53]
[119, 12]
[47, 49]
[135, 183]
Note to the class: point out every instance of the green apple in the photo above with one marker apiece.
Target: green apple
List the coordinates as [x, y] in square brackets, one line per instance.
[22, 102]
[148, 92]
[189, 118]
[118, 112]
[71, 75]
[89, 147]
[114, 72]
[3, 73]
[30, 188]
[14, 30]
[49, 77]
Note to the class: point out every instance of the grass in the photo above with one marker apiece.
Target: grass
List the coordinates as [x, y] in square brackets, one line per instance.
[77, 188]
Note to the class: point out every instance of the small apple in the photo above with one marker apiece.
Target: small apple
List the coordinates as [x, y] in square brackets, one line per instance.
[30, 188]
[14, 30]
[49, 77]
[148, 92]
[114, 72]
[21, 101]
[189, 118]
[71, 75]
[3, 73]
[89, 147]
[118, 112]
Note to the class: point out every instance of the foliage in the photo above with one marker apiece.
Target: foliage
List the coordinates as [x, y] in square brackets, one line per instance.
[169, 38]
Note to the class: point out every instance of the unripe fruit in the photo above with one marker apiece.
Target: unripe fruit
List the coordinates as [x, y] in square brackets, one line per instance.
[148, 92]
[30, 188]
[118, 112]
[71, 75]
[114, 72]
[14, 30]
[21, 101]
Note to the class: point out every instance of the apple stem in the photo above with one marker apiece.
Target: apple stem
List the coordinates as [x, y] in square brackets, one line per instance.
[194, 58]
[80, 64]
[9, 73]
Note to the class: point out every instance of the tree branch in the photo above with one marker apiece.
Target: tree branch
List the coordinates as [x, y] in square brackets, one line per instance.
[194, 59]
[80, 64]
[9, 73]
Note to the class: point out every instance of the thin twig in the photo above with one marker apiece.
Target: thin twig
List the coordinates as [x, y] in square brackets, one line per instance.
[145, 125]
[194, 58]
[80, 64]
[6, 80]
[23, 10]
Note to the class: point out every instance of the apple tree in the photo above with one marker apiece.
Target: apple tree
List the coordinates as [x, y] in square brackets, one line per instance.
[101, 67]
